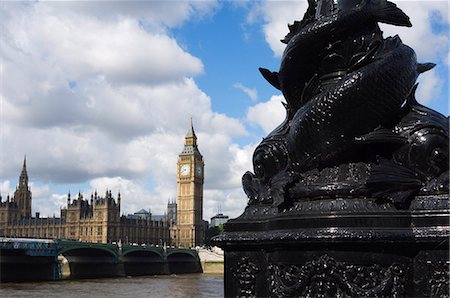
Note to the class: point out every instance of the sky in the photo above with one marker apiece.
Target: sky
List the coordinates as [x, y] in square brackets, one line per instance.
[99, 94]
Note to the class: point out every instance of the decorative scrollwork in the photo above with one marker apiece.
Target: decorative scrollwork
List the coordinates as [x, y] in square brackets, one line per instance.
[325, 277]
[245, 274]
[439, 281]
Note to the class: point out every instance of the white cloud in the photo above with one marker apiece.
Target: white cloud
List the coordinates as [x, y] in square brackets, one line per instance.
[153, 13]
[421, 37]
[133, 196]
[277, 15]
[268, 115]
[5, 189]
[45, 202]
[430, 44]
[102, 94]
[232, 203]
[71, 47]
[251, 92]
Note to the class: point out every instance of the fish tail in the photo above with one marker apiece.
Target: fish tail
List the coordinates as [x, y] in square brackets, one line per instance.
[271, 77]
[394, 182]
[387, 12]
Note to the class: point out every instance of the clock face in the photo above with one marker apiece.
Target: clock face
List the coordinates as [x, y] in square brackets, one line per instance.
[184, 170]
[199, 170]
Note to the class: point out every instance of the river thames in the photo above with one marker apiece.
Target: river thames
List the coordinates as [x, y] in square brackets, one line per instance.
[187, 285]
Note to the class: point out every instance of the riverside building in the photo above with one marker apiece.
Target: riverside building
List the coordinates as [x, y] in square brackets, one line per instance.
[97, 218]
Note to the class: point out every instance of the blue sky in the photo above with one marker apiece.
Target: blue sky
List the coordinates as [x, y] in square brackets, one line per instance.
[224, 42]
[98, 95]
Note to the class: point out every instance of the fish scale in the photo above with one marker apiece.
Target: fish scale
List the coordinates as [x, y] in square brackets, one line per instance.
[376, 90]
[297, 65]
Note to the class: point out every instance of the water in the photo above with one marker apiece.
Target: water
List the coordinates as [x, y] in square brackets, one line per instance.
[187, 285]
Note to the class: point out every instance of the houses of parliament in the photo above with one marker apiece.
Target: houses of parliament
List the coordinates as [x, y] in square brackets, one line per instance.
[98, 219]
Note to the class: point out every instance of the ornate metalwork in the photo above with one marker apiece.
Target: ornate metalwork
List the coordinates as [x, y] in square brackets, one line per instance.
[245, 273]
[357, 168]
[439, 281]
[325, 277]
[350, 100]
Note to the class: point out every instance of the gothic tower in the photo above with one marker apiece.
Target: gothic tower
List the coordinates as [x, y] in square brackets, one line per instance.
[22, 195]
[189, 229]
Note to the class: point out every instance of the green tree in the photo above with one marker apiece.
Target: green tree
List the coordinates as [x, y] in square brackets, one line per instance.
[211, 232]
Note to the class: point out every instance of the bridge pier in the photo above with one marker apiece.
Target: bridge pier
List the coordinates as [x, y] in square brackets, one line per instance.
[143, 264]
[28, 260]
[37, 259]
[180, 263]
[82, 267]
[16, 266]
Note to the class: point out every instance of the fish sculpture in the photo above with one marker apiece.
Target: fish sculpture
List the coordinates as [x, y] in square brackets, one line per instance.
[418, 162]
[342, 81]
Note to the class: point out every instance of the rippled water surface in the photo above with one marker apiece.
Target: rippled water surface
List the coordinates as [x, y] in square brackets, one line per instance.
[188, 285]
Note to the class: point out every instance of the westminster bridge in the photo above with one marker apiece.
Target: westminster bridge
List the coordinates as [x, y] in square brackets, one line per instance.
[37, 259]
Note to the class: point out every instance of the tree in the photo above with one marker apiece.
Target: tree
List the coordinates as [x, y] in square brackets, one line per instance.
[211, 232]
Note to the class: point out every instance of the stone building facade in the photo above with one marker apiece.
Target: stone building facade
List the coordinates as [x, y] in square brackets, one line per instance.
[96, 219]
[189, 230]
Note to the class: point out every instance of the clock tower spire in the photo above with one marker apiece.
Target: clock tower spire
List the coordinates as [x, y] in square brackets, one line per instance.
[189, 230]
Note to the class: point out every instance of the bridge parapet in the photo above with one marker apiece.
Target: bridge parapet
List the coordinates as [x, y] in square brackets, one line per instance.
[127, 249]
[23, 259]
[68, 245]
[32, 247]
[37, 259]
[193, 253]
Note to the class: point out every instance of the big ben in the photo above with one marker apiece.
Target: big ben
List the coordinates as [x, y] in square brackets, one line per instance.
[189, 230]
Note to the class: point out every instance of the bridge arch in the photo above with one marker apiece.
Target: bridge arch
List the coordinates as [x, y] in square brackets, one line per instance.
[143, 261]
[88, 251]
[90, 261]
[147, 250]
[183, 261]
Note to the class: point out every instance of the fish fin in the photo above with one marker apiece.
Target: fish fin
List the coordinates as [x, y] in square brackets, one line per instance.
[250, 185]
[387, 12]
[423, 67]
[399, 198]
[361, 59]
[382, 135]
[308, 89]
[389, 180]
[293, 29]
[298, 25]
[271, 77]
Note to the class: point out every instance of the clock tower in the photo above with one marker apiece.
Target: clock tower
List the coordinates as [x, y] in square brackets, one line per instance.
[189, 229]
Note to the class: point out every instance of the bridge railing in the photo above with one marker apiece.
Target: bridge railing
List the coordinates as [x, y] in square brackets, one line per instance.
[33, 247]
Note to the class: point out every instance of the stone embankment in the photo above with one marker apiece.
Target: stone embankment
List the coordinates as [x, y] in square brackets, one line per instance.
[211, 260]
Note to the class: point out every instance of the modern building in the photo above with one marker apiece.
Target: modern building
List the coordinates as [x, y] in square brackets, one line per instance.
[98, 219]
[189, 230]
[218, 219]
